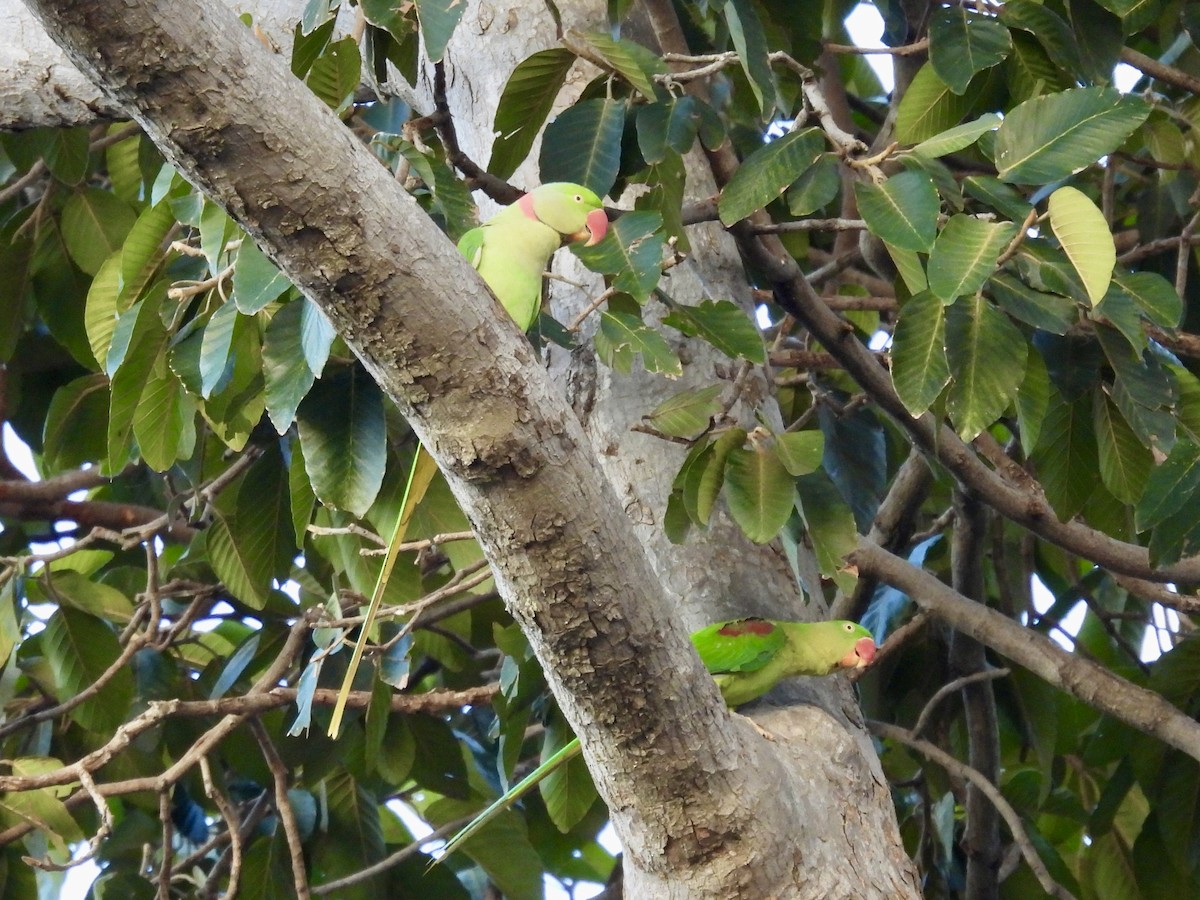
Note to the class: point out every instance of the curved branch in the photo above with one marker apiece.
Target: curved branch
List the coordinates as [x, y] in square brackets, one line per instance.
[988, 789]
[1092, 683]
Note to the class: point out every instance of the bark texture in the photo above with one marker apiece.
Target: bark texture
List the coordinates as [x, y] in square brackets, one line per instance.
[704, 807]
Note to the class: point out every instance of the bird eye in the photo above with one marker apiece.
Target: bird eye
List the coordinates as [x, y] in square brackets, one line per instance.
[848, 627]
[579, 198]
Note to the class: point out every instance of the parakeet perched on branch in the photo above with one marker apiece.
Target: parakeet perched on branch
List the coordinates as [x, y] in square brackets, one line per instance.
[512, 249]
[746, 657]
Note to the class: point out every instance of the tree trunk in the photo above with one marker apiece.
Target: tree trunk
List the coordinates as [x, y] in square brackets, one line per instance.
[704, 807]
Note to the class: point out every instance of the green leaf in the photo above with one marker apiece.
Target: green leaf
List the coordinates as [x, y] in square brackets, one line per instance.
[965, 255]
[148, 339]
[94, 226]
[703, 479]
[215, 348]
[750, 42]
[526, 102]
[920, 368]
[79, 648]
[632, 252]
[667, 125]
[583, 145]
[1049, 312]
[143, 253]
[999, 196]
[1156, 296]
[76, 424]
[1048, 138]
[631, 61]
[72, 589]
[759, 491]
[724, 325]
[438, 20]
[830, 526]
[1124, 462]
[354, 840]
[122, 161]
[1050, 29]
[1033, 399]
[165, 421]
[987, 363]
[687, 413]
[768, 172]
[285, 370]
[567, 791]
[335, 75]
[316, 336]
[957, 138]
[1170, 486]
[929, 107]
[66, 154]
[621, 335]
[800, 451]
[902, 211]
[819, 184]
[1081, 229]
[262, 525]
[256, 280]
[1066, 459]
[963, 43]
[344, 435]
[246, 574]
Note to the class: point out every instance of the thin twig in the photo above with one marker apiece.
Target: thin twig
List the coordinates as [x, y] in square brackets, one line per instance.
[1015, 826]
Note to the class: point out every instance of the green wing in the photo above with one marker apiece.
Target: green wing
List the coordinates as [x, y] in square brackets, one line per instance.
[740, 645]
[470, 245]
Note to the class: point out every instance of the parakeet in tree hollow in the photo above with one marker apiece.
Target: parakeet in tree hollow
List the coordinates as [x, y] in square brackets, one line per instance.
[512, 249]
[746, 657]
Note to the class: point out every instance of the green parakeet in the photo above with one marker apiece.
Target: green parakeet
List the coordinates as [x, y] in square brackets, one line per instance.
[512, 249]
[746, 657]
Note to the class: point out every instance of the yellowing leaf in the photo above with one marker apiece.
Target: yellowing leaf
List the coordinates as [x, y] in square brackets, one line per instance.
[1081, 229]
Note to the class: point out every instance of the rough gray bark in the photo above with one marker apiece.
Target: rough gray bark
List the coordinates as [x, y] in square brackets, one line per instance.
[703, 806]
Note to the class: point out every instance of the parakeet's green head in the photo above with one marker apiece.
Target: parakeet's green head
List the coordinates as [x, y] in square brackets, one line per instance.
[859, 644]
[570, 209]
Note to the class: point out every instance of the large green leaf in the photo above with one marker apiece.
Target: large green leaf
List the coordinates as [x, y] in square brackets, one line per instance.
[567, 791]
[76, 424]
[256, 280]
[215, 348]
[1124, 462]
[285, 370]
[768, 172]
[957, 138]
[165, 421]
[1050, 137]
[261, 526]
[1081, 229]
[622, 335]
[965, 255]
[830, 526]
[724, 325]
[94, 226]
[526, 102]
[1049, 312]
[344, 435]
[800, 451]
[148, 338]
[759, 491]
[1153, 294]
[1171, 486]
[902, 211]
[687, 413]
[962, 43]
[632, 252]
[1066, 459]
[80, 648]
[929, 107]
[336, 74]
[245, 573]
[987, 363]
[354, 840]
[631, 61]
[438, 20]
[667, 125]
[750, 42]
[583, 145]
[920, 368]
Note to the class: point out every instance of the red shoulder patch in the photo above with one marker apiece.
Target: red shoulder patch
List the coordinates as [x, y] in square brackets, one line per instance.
[740, 627]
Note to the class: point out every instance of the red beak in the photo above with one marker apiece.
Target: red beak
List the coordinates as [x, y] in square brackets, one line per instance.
[595, 229]
[861, 656]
